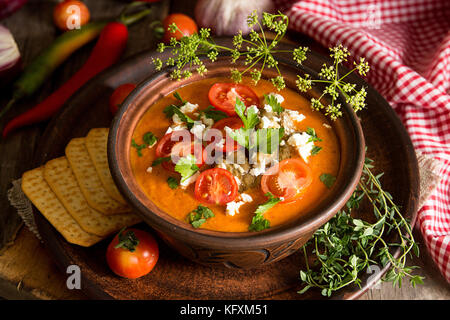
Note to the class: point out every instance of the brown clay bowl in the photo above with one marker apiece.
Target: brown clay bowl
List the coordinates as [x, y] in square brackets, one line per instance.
[230, 249]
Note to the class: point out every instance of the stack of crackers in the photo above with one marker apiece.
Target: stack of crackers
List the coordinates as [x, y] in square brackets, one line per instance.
[76, 193]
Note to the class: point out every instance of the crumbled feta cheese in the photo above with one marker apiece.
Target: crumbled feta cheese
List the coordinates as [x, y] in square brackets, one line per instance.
[207, 121]
[169, 130]
[277, 96]
[288, 117]
[263, 161]
[150, 169]
[246, 197]
[176, 119]
[221, 143]
[177, 127]
[295, 115]
[253, 108]
[184, 184]
[269, 122]
[188, 107]
[268, 108]
[197, 129]
[326, 125]
[234, 206]
[300, 141]
[282, 143]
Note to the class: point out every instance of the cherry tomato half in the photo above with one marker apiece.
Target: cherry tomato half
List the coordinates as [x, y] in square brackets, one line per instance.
[185, 24]
[232, 123]
[287, 179]
[223, 96]
[216, 186]
[132, 253]
[70, 14]
[119, 95]
[172, 145]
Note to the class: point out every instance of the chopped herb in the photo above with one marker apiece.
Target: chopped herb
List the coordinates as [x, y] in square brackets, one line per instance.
[158, 161]
[213, 113]
[187, 167]
[264, 139]
[312, 133]
[178, 97]
[258, 221]
[199, 216]
[172, 182]
[327, 179]
[250, 119]
[315, 150]
[149, 140]
[127, 241]
[256, 48]
[344, 248]
[272, 101]
[172, 109]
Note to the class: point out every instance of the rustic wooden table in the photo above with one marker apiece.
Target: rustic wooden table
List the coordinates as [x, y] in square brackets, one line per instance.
[26, 270]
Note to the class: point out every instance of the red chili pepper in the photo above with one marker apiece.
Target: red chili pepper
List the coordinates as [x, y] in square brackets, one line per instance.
[107, 51]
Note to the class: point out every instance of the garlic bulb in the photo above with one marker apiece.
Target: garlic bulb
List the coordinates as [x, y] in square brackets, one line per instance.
[228, 17]
[9, 52]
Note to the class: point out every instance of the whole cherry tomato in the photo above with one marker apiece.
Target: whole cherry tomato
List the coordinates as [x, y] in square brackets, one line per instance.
[186, 26]
[132, 253]
[70, 14]
[119, 95]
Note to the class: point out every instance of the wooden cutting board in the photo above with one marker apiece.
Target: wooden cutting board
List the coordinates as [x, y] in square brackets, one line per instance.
[174, 277]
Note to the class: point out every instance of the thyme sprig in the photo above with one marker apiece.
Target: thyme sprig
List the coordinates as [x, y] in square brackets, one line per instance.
[259, 53]
[345, 246]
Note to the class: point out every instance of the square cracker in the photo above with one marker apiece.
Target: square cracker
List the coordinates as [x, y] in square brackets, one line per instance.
[96, 144]
[38, 191]
[62, 181]
[89, 180]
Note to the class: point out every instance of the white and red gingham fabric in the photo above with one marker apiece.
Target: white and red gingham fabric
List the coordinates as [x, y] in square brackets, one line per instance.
[407, 44]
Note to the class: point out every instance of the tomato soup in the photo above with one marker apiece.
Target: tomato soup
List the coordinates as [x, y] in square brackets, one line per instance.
[324, 158]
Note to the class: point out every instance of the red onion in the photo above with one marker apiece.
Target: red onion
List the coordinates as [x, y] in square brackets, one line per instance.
[9, 53]
[228, 17]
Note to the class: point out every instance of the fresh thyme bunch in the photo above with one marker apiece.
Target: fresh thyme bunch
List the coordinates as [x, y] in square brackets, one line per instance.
[259, 53]
[344, 247]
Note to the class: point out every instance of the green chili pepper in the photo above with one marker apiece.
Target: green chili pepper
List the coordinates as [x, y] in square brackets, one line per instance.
[43, 65]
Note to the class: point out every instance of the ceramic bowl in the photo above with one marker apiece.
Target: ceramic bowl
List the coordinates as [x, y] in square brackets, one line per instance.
[230, 249]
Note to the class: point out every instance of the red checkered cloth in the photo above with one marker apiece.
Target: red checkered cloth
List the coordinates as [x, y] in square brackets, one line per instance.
[407, 45]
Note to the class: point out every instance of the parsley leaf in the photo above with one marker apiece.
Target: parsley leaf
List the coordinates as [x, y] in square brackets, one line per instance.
[315, 150]
[250, 119]
[327, 179]
[272, 101]
[258, 221]
[178, 97]
[264, 139]
[245, 137]
[172, 182]
[312, 133]
[199, 216]
[187, 167]
[213, 113]
[158, 161]
[172, 109]
[149, 140]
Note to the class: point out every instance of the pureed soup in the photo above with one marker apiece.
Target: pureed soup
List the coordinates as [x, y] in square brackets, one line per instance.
[230, 195]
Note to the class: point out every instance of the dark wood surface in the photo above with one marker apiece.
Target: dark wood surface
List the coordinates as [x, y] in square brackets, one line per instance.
[33, 30]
